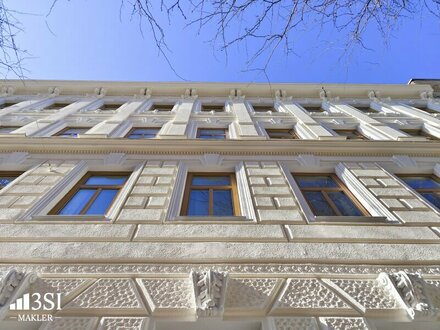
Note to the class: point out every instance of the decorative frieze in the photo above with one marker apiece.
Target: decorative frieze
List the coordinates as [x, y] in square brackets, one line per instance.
[209, 292]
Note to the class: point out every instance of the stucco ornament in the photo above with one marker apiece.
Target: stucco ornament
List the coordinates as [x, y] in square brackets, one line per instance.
[12, 285]
[414, 291]
[209, 292]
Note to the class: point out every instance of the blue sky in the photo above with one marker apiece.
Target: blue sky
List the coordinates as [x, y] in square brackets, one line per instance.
[88, 40]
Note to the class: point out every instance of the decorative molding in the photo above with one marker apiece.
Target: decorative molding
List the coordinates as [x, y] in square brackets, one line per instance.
[115, 158]
[308, 160]
[177, 192]
[14, 158]
[211, 160]
[244, 193]
[12, 285]
[414, 293]
[209, 292]
[405, 161]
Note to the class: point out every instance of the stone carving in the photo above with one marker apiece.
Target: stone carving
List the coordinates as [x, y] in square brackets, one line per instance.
[370, 294]
[209, 292]
[211, 159]
[413, 290]
[308, 294]
[295, 323]
[108, 294]
[167, 295]
[123, 323]
[248, 294]
[344, 323]
[184, 269]
[71, 323]
[13, 284]
[65, 286]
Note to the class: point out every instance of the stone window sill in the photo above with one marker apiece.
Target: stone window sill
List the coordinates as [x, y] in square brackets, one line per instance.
[351, 219]
[70, 218]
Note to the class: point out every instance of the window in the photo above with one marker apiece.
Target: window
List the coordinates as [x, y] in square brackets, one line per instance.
[162, 107]
[7, 177]
[327, 195]
[283, 134]
[93, 195]
[426, 109]
[365, 109]
[142, 133]
[8, 129]
[419, 132]
[351, 134]
[210, 195]
[263, 108]
[57, 105]
[428, 186]
[7, 104]
[110, 106]
[314, 108]
[72, 132]
[212, 133]
[213, 107]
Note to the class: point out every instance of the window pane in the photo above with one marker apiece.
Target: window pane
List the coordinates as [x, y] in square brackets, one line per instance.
[198, 202]
[432, 198]
[212, 131]
[218, 137]
[102, 202]
[344, 204]
[5, 180]
[106, 180]
[223, 202]
[145, 131]
[316, 182]
[78, 201]
[421, 182]
[8, 129]
[211, 181]
[320, 205]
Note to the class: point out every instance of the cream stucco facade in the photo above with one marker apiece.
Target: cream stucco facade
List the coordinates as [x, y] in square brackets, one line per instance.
[275, 264]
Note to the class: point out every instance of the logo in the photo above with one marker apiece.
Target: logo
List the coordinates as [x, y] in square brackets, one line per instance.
[36, 306]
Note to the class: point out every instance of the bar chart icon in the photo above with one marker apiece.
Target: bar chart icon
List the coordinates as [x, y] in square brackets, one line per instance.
[21, 304]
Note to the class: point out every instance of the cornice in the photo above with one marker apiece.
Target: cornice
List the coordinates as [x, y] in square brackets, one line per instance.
[226, 147]
[212, 89]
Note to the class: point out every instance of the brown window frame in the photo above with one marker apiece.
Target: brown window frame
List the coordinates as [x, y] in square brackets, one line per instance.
[8, 104]
[189, 187]
[58, 105]
[81, 185]
[419, 132]
[313, 109]
[289, 131]
[354, 131]
[59, 133]
[211, 107]
[107, 106]
[423, 190]
[225, 130]
[15, 174]
[342, 187]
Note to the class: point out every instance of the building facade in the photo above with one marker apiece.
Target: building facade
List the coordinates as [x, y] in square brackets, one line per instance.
[219, 206]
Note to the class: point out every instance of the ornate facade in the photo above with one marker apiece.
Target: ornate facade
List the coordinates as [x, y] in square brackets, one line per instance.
[219, 206]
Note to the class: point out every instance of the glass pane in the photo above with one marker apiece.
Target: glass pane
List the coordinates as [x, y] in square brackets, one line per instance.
[8, 129]
[73, 132]
[320, 205]
[102, 202]
[145, 131]
[198, 202]
[78, 201]
[219, 137]
[432, 198]
[98, 180]
[211, 181]
[344, 204]
[5, 180]
[135, 136]
[421, 182]
[316, 182]
[223, 202]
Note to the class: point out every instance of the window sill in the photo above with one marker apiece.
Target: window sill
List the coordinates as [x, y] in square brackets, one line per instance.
[210, 219]
[69, 218]
[351, 219]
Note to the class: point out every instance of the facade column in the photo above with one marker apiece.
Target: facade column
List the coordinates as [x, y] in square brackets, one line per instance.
[177, 128]
[244, 125]
[370, 126]
[53, 122]
[118, 123]
[307, 126]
